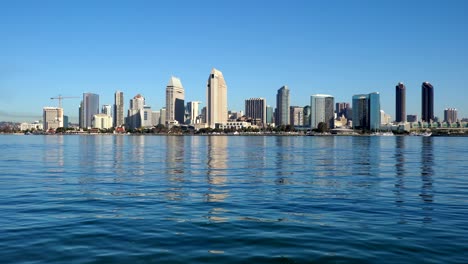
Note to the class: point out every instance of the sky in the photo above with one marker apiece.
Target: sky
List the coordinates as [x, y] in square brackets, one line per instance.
[342, 48]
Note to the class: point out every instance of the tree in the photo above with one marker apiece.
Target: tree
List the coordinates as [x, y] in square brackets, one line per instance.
[322, 127]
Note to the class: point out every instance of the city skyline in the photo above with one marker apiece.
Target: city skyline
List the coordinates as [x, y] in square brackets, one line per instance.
[71, 48]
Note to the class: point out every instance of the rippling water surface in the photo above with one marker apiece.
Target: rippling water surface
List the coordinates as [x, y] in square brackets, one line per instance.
[139, 199]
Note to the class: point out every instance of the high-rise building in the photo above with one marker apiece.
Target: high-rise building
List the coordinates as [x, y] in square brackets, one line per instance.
[400, 103]
[155, 116]
[193, 109]
[90, 108]
[296, 115]
[427, 111]
[342, 109]
[80, 115]
[216, 98]
[106, 109]
[52, 118]
[450, 115]
[307, 116]
[118, 109]
[269, 115]
[203, 115]
[175, 106]
[135, 112]
[146, 119]
[162, 116]
[255, 108]
[321, 110]
[366, 111]
[282, 106]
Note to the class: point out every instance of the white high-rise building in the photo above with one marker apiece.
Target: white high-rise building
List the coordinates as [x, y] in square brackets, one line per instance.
[135, 112]
[52, 118]
[282, 106]
[175, 106]
[118, 109]
[193, 109]
[216, 98]
[322, 110]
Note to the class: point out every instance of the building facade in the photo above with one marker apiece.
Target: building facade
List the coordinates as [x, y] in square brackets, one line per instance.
[175, 105]
[102, 121]
[296, 115]
[400, 103]
[135, 112]
[342, 109]
[366, 111]
[269, 115]
[282, 106]
[255, 108]
[450, 115]
[119, 109]
[90, 108]
[321, 110]
[193, 110]
[52, 118]
[216, 98]
[427, 102]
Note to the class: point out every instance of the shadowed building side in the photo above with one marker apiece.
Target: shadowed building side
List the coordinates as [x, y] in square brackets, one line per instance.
[400, 103]
[427, 102]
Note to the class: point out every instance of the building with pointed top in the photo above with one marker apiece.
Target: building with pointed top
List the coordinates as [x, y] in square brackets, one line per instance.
[216, 99]
[175, 105]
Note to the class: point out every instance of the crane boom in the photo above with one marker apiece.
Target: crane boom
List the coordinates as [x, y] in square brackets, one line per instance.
[60, 98]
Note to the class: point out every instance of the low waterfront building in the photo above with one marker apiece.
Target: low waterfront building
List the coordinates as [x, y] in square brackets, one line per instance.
[102, 121]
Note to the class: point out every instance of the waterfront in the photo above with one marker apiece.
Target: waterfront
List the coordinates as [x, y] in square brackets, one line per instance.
[176, 199]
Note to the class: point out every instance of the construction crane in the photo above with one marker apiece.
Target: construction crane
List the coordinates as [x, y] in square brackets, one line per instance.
[60, 98]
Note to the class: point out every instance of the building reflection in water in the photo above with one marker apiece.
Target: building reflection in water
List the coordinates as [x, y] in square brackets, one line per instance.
[118, 154]
[400, 175]
[427, 172]
[217, 161]
[283, 159]
[53, 153]
[175, 157]
[137, 155]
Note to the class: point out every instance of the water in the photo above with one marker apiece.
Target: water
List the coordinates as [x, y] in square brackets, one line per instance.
[140, 199]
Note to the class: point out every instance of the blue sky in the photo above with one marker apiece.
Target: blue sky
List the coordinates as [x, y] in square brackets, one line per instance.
[340, 48]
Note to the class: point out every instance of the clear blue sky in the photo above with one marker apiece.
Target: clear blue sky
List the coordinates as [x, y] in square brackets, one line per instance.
[340, 48]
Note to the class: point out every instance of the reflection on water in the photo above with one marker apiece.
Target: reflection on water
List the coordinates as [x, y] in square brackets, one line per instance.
[217, 160]
[427, 173]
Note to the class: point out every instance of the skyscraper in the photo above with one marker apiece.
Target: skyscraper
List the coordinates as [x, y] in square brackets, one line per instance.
[427, 111]
[450, 115]
[366, 111]
[255, 108]
[193, 109]
[342, 109]
[321, 110]
[282, 106]
[175, 106]
[307, 116]
[269, 114]
[52, 118]
[400, 103]
[296, 115]
[90, 108]
[135, 112]
[216, 98]
[118, 109]
[106, 109]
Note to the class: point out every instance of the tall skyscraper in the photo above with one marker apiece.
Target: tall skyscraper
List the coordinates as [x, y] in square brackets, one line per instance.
[366, 111]
[52, 118]
[255, 108]
[321, 110]
[342, 109]
[175, 106]
[282, 106]
[269, 115]
[296, 115]
[118, 109]
[427, 111]
[193, 109]
[90, 108]
[450, 115]
[400, 103]
[135, 112]
[106, 109]
[307, 116]
[216, 98]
